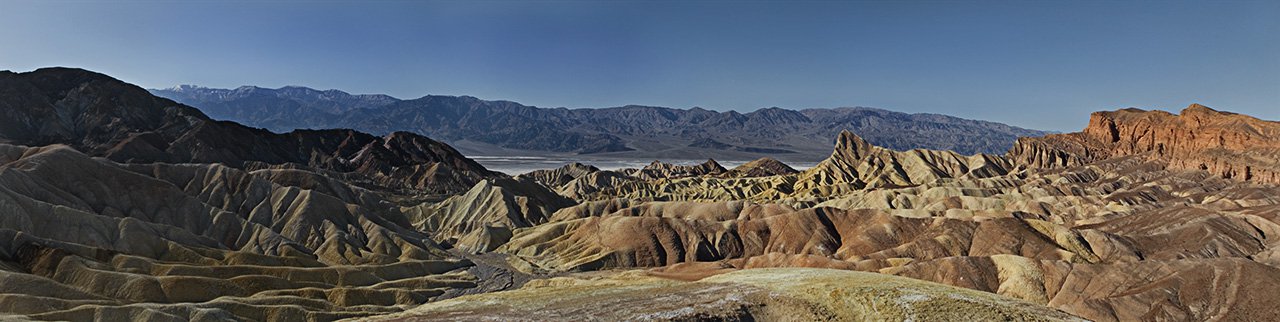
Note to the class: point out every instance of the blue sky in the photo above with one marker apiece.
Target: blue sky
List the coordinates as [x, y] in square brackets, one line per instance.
[1037, 64]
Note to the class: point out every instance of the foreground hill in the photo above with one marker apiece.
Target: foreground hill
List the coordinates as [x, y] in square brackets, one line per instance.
[492, 127]
[118, 205]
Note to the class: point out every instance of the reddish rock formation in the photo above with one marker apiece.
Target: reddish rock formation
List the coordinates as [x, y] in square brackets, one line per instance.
[1225, 144]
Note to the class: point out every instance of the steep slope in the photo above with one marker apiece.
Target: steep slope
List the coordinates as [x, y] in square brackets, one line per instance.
[483, 218]
[762, 167]
[130, 206]
[105, 117]
[86, 239]
[1226, 144]
[629, 131]
[854, 165]
[562, 175]
[660, 170]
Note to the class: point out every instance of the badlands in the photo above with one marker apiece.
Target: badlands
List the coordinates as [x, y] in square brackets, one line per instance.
[119, 205]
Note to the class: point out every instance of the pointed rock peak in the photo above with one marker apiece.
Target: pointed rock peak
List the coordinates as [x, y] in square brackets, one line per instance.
[403, 136]
[483, 187]
[766, 163]
[579, 167]
[1199, 109]
[764, 160]
[186, 87]
[849, 145]
[712, 166]
[572, 165]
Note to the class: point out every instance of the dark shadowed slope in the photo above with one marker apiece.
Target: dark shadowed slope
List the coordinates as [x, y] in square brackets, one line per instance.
[105, 117]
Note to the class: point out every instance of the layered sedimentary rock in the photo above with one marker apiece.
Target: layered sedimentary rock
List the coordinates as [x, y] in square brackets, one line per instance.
[1225, 144]
[120, 205]
[117, 205]
[854, 165]
[105, 117]
[84, 238]
[562, 175]
[762, 167]
[1119, 236]
[660, 170]
[482, 218]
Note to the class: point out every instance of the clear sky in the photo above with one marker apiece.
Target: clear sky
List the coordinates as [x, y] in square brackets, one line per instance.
[1037, 64]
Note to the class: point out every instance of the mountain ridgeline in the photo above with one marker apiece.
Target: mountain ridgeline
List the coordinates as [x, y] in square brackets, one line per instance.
[481, 126]
[102, 116]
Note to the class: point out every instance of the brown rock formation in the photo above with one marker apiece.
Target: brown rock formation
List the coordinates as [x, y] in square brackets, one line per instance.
[660, 170]
[483, 218]
[85, 239]
[762, 167]
[1225, 144]
[562, 175]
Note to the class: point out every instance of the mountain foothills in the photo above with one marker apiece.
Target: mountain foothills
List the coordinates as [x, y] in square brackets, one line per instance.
[502, 127]
[119, 205]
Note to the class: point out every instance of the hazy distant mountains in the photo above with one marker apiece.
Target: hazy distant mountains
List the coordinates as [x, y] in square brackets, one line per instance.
[478, 126]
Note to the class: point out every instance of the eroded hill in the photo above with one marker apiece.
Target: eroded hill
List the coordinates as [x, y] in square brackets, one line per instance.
[115, 204]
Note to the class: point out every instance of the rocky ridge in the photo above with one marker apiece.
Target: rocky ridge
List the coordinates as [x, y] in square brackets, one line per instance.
[105, 117]
[762, 167]
[633, 131]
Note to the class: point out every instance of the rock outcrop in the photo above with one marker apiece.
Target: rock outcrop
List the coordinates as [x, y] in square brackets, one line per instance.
[483, 218]
[1225, 144]
[762, 167]
[562, 175]
[854, 165]
[660, 170]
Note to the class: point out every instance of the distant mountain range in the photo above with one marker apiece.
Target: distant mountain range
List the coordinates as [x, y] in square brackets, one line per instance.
[482, 127]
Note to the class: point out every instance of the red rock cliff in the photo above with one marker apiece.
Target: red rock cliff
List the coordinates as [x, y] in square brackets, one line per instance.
[1226, 144]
